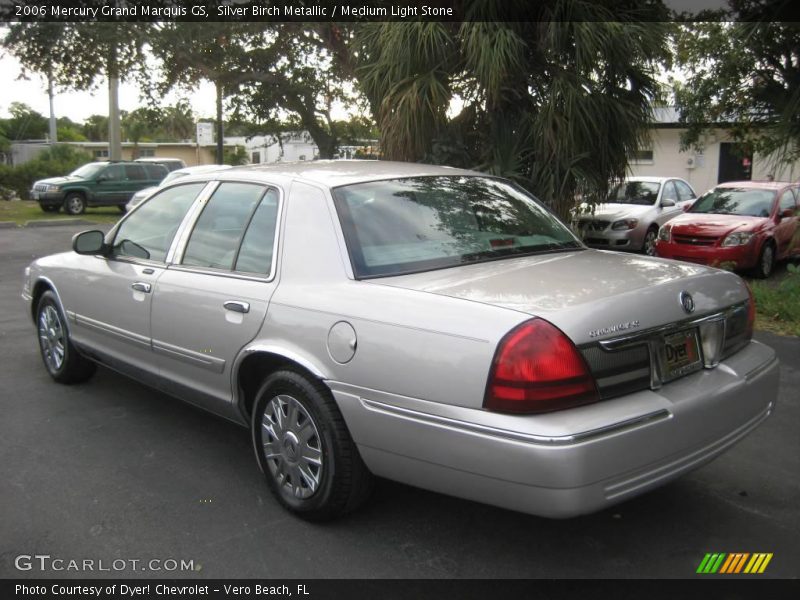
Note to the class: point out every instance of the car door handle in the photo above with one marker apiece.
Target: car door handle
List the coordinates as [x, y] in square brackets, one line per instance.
[141, 286]
[237, 306]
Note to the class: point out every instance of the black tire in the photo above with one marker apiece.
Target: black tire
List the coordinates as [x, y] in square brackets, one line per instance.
[649, 243]
[74, 204]
[766, 261]
[64, 363]
[288, 452]
[50, 208]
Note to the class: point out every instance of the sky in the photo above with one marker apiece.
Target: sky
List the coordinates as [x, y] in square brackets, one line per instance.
[80, 105]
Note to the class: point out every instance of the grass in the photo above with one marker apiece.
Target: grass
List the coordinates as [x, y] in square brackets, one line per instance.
[22, 211]
[778, 304]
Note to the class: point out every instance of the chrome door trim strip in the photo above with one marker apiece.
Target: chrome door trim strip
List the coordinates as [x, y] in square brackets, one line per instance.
[197, 359]
[115, 332]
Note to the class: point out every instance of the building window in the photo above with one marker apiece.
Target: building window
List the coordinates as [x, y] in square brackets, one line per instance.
[255, 158]
[147, 152]
[643, 156]
[101, 153]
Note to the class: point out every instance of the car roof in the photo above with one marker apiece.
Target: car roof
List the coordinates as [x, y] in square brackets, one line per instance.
[157, 159]
[334, 173]
[761, 185]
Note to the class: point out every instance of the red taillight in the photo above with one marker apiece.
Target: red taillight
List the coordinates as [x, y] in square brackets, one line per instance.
[537, 368]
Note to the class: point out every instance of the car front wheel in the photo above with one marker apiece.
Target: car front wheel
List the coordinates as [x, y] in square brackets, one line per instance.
[766, 261]
[311, 463]
[649, 245]
[74, 204]
[60, 358]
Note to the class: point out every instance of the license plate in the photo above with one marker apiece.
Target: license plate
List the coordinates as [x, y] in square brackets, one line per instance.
[681, 354]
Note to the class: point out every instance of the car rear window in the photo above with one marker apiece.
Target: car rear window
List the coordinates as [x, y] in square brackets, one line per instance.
[422, 223]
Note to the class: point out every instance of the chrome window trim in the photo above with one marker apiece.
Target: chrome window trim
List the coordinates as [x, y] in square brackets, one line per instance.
[189, 220]
[190, 224]
[112, 233]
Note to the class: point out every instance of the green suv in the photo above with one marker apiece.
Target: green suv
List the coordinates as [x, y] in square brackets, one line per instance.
[96, 184]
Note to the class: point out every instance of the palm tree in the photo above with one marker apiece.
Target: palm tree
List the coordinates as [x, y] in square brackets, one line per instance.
[557, 103]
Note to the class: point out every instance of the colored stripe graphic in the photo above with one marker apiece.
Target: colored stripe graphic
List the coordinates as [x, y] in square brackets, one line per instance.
[724, 563]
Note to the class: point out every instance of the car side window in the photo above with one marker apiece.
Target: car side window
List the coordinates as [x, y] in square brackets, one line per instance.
[255, 253]
[148, 232]
[135, 172]
[216, 237]
[684, 191]
[669, 192]
[787, 201]
[114, 173]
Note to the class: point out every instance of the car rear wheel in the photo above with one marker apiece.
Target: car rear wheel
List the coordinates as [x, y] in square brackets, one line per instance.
[74, 204]
[766, 261]
[60, 358]
[649, 245]
[311, 463]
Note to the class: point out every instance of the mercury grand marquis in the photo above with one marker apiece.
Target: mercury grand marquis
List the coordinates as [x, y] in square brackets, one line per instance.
[430, 325]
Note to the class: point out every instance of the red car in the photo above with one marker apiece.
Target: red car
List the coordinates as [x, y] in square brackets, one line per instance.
[738, 225]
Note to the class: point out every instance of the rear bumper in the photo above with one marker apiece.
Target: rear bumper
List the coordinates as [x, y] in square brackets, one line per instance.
[735, 257]
[568, 463]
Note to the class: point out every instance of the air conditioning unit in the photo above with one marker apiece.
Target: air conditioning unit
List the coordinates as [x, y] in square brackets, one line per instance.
[691, 162]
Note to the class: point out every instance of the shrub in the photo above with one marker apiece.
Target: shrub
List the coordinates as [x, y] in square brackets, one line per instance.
[53, 162]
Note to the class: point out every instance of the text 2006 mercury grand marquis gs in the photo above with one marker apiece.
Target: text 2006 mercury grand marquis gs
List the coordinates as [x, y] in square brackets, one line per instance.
[430, 325]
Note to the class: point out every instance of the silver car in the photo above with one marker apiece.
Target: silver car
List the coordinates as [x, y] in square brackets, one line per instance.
[635, 210]
[434, 326]
[139, 196]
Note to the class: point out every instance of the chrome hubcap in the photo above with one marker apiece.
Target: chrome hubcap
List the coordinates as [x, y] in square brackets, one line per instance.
[292, 446]
[650, 243]
[51, 338]
[75, 205]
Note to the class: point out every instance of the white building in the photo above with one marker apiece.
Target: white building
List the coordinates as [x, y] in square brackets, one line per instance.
[292, 146]
[720, 159]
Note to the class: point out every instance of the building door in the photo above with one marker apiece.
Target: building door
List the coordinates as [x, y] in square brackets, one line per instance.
[735, 163]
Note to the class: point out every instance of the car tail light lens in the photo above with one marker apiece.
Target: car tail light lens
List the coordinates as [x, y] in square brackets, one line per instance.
[537, 368]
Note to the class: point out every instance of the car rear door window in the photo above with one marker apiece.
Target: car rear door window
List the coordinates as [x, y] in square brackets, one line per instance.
[135, 172]
[215, 240]
[255, 253]
[148, 232]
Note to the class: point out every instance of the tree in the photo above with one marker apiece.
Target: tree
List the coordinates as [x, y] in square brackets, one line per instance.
[745, 74]
[24, 123]
[177, 122]
[273, 72]
[77, 55]
[556, 103]
[95, 128]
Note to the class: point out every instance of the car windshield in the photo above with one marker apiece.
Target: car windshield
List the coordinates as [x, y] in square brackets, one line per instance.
[423, 223]
[635, 192]
[89, 170]
[736, 201]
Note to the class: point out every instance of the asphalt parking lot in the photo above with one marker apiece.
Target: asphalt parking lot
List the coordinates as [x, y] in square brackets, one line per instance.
[112, 470]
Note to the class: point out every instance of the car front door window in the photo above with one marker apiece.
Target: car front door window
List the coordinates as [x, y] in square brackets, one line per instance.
[148, 232]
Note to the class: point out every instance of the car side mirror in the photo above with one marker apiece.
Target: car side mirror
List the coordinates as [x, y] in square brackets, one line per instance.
[101, 178]
[90, 242]
[666, 203]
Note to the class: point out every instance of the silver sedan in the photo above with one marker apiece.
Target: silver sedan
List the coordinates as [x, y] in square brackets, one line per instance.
[434, 326]
[633, 213]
